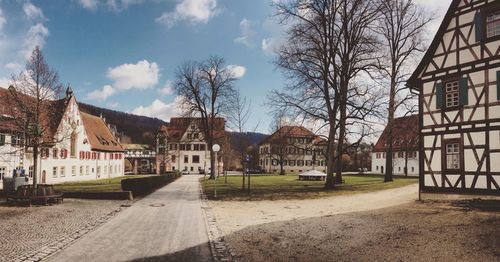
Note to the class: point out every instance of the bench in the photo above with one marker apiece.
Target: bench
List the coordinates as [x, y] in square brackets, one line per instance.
[27, 194]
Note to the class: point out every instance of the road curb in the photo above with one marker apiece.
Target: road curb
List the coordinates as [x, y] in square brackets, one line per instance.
[218, 246]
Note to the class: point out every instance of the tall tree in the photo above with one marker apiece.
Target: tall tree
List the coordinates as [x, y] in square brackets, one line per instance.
[33, 92]
[238, 117]
[206, 89]
[400, 26]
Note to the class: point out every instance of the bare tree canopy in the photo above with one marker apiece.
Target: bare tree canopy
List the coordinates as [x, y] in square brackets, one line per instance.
[206, 89]
[34, 92]
[400, 26]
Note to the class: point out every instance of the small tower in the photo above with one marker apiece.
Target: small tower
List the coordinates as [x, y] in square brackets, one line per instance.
[69, 91]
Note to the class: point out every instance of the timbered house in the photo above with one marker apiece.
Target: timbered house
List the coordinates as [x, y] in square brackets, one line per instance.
[458, 81]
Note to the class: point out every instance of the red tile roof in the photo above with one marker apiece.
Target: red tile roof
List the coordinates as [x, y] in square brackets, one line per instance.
[179, 125]
[293, 131]
[99, 135]
[405, 135]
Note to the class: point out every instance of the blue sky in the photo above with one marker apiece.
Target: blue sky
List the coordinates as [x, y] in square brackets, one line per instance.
[122, 54]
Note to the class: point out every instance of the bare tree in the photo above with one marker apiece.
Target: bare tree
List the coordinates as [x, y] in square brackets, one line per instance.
[329, 45]
[206, 88]
[33, 91]
[238, 117]
[400, 26]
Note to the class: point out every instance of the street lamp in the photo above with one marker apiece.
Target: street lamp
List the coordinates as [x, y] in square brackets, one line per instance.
[216, 148]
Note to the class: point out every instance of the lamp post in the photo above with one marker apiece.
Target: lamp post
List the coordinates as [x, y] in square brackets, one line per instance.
[216, 148]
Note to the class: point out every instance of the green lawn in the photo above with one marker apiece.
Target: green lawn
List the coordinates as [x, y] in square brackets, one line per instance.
[100, 185]
[272, 187]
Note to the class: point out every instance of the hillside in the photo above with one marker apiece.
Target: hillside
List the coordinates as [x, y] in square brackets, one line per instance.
[253, 137]
[133, 128]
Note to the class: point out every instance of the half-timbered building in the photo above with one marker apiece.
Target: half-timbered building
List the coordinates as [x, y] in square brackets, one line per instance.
[458, 81]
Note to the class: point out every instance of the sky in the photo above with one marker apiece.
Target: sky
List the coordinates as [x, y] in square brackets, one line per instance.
[123, 54]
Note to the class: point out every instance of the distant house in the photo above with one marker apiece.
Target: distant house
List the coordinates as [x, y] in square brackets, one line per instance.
[458, 81]
[404, 146]
[81, 146]
[181, 145]
[295, 148]
[139, 159]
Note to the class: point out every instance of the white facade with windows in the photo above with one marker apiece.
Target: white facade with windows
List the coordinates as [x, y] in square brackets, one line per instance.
[84, 149]
[401, 160]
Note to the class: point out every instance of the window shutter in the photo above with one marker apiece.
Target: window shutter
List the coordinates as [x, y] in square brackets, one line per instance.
[2, 139]
[498, 86]
[464, 92]
[439, 95]
[479, 25]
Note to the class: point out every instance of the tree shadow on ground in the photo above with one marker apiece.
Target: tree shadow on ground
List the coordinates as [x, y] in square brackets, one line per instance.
[478, 205]
[193, 254]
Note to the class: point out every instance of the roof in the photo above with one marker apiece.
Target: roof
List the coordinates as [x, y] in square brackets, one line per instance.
[136, 147]
[179, 125]
[293, 131]
[99, 135]
[51, 114]
[405, 134]
[413, 80]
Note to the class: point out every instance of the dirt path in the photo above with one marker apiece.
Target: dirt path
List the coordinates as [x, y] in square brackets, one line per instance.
[236, 215]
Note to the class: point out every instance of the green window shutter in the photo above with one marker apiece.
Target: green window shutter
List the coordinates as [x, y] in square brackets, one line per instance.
[439, 95]
[498, 85]
[464, 92]
[2, 139]
[479, 25]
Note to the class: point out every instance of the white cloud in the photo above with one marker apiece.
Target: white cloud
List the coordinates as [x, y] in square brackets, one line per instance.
[101, 94]
[272, 44]
[113, 105]
[128, 76]
[32, 12]
[167, 89]
[160, 109]
[89, 4]
[238, 71]
[438, 8]
[15, 67]
[194, 11]
[247, 34]
[35, 37]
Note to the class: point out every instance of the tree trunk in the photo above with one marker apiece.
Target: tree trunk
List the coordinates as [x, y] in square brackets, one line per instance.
[330, 155]
[390, 122]
[35, 167]
[212, 161]
[340, 144]
[243, 174]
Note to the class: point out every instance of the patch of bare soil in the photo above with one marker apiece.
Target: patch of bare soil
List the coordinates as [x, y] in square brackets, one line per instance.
[420, 231]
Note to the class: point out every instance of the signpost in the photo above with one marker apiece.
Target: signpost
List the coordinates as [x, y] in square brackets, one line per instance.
[216, 148]
[245, 162]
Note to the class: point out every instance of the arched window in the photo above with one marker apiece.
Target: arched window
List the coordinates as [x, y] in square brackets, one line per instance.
[73, 145]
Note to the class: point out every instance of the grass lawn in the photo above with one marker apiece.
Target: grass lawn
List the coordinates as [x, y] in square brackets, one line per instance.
[100, 185]
[273, 187]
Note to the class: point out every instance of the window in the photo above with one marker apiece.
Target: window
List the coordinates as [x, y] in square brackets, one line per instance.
[2, 139]
[196, 147]
[188, 147]
[73, 170]
[401, 154]
[196, 135]
[412, 169]
[493, 25]
[17, 140]
[189, 136]
[377, 168]
[300, 162]
[196, 159]
[62, 172]
[292, 162]
[378, 155]
[452, 155]
[54, 171]
[30, 171]
[73, 145]
[87, 170]
[45, 152]
[452, 91]
[202, 147]
[81, 170]
[3, 170]
[186, 159]
[98, 171]
[183, 146]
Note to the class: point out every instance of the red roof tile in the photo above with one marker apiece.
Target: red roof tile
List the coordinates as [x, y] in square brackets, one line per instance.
[405, 135]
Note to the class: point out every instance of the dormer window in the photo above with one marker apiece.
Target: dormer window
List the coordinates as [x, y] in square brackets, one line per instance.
[493, 25]
[452, 94]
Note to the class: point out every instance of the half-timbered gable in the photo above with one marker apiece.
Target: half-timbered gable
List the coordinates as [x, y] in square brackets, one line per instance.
[459, 97]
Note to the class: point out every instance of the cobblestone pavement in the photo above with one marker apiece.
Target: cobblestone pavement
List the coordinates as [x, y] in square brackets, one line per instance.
[32, 233]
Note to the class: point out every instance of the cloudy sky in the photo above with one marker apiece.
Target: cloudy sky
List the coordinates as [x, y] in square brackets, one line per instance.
[122, 54]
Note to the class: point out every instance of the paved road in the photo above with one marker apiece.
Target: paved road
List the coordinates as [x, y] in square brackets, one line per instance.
[173, 230]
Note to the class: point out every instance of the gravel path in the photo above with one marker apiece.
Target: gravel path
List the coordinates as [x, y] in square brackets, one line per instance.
[24, 230]
[429, 231]
[167, 225]
[236, 215]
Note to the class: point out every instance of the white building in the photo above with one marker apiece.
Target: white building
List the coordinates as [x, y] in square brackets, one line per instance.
[181, 146]
[458, 81]
[404, 147]
[81, 146]
[293, 148]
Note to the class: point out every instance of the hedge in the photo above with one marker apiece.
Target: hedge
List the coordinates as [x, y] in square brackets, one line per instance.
[145, 185]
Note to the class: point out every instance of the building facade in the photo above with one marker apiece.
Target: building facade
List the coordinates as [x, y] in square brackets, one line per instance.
[139, 159]
[81, 146]
[458, 82]
[181, 146]
[294, 148]
[404, 147]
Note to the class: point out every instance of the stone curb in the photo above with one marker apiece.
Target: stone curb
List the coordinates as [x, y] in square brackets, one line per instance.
[57, 245]
[218, 245]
